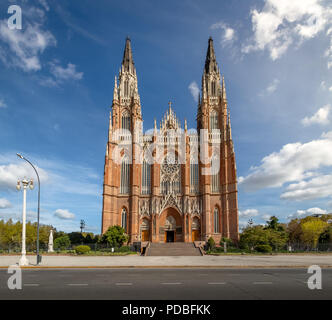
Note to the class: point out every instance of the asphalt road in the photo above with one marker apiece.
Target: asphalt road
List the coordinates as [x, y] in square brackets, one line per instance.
[166, 284]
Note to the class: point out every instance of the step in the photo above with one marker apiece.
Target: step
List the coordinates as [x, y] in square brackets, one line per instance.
[173, 249]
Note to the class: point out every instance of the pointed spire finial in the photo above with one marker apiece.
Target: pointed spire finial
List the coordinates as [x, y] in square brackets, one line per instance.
[128, 61]
[170, 106]
[211, 62]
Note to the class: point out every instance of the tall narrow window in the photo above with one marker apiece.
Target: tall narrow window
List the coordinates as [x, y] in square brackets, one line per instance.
[146, 177]
[126, 88]
[215, 174]
[125, 121]
[125, 176]
[213, 88]
[213, 120]
[124, 219]
[194, 176]
[216, 220]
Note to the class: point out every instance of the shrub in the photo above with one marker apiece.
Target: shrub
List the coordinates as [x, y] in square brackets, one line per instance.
[265, 248]
[211, 243]
[82, 249]
[229, 242]
[62, 242]
[124, 249]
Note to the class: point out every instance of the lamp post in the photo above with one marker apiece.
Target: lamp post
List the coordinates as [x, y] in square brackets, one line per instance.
[23, 260]
[38, 212]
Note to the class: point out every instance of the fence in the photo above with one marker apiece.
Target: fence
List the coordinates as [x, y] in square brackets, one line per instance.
[102, 247]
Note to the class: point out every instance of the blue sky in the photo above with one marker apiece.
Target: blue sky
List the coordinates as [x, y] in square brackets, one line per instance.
[56, 85]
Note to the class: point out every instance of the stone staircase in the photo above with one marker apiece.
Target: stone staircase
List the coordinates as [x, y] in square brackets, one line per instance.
[173, 249]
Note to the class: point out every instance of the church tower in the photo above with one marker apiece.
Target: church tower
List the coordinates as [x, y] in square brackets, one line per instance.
[219, 189]
[121, 180]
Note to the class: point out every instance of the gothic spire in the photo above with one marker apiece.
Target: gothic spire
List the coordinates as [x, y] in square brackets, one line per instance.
[210, 61]
[128, 61]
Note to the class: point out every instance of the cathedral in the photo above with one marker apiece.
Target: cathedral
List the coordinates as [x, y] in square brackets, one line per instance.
[170, 184]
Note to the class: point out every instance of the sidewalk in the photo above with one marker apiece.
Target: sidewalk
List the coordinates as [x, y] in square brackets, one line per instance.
[279, 261]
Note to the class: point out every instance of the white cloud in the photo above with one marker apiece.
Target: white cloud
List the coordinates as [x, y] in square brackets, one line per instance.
[320, 117]
[307, 212]
[317, 187]
[271, 88]
[64, 214]
[228, 34]
[11, 172]
[59, 176]
[194, 90]
[295, 162]
[248, 213]
[67, 73]
[4, 203]
[282, 22]
[2, 104]
[25, 46]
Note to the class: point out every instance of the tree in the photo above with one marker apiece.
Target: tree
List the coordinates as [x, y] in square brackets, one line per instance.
[62, 242]
[326, 236]
[76, 237]
[115, 236]
[294, 230]
[274, 224]
[311, 230]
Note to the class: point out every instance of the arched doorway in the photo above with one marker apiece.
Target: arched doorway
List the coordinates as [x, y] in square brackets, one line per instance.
[145, 230]
[195, 229]
[170, 226]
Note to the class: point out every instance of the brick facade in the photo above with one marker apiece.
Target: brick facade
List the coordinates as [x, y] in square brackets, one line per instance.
[173, 212]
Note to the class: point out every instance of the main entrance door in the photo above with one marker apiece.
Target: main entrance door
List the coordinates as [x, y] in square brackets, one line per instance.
[169, 236]
[195, 235]
[145, 235]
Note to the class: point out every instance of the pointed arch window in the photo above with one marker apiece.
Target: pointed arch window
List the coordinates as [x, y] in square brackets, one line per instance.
[125, 121]
[146, 177]
[214, 120]
[124, 219]
[213, 89]
[216, 218]
[125, 175]
[170, 175]
[194, 176]
[215, 175]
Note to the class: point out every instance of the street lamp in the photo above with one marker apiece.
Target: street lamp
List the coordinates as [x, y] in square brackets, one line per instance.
[23, 260]
[38, 212]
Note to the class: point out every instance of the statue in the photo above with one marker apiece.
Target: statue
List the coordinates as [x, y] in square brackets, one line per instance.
[50, 242]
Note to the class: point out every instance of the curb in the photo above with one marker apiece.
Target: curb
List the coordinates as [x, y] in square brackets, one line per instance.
[169, 267]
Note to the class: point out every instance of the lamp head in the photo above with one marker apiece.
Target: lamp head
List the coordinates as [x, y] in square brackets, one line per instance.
[19, 155]
[18, 185]
[31, 185]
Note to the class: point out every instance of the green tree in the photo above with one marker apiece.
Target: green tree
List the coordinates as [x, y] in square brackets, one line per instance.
[115, 236]
[326, 236]
[62, 242]
[273, 224]
[311, 231]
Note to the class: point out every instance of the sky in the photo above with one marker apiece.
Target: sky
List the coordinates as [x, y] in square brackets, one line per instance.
[56, 85]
